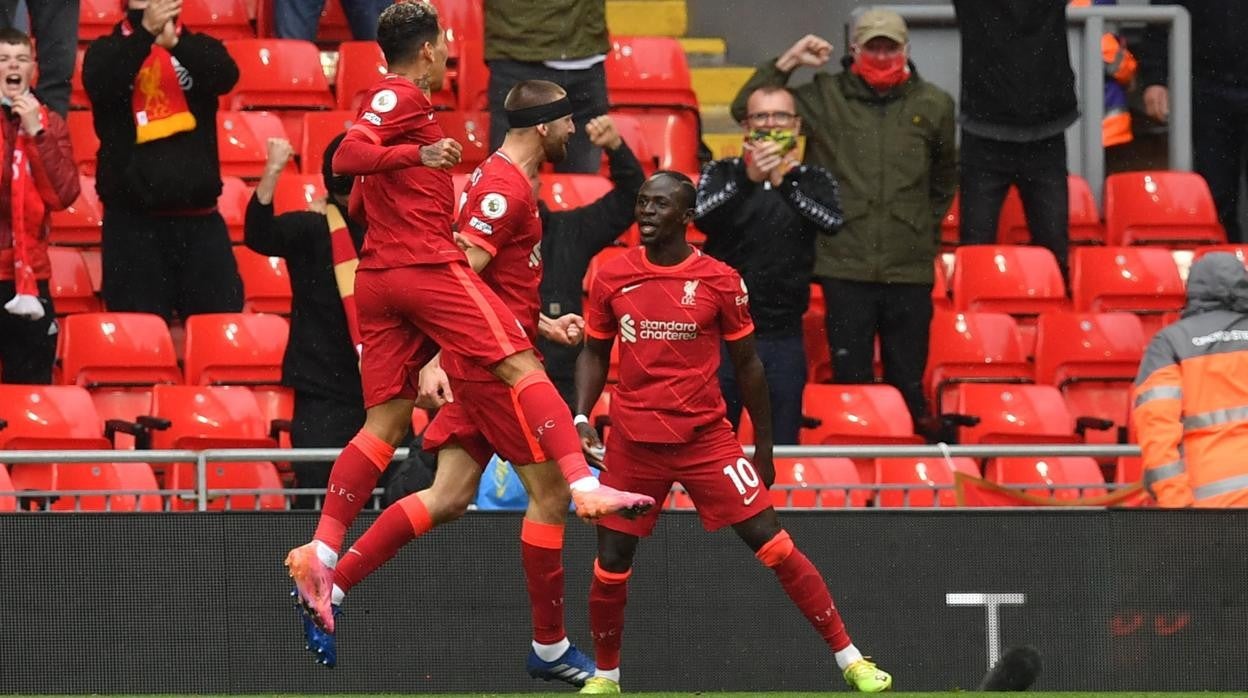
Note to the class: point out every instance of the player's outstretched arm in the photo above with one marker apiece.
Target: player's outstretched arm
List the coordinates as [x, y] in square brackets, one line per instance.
[591, 378]
[753, 382]
[360, 154]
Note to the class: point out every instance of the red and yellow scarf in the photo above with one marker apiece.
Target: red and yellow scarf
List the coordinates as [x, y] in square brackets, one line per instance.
[159, 104]
[346, 259]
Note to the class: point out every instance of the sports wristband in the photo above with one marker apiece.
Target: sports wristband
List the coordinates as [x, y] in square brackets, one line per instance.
[580, 419]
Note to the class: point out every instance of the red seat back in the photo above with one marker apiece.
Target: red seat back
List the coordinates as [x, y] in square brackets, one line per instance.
[297, 192]
[131, 477]
[856, 414]
[72, 291]
[472, 131]
[242, 141]
[668, 137]
[468, 76]
[101, 349]
[77, 93]
[360, 65]
[8, 503]
[278, 74]
[1013, 414]
[266, 284]
[649, 71]
[1007, 279]
[97, 18]
[970, 347]
[83, 140]
[48, 417]
[1160, 207]
[235, 348]
[1052, 477]
[223, 19]
[923, 475]
[319, 128]
[563, 192]
[1083, 216]
[80, 223]
[815, 338]
[1088, 346]
[208, 417]
[232, 205]
[811, 483]
[229, 476]
[1140, 280]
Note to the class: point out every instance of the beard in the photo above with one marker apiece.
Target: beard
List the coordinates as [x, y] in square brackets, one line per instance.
[555, 151]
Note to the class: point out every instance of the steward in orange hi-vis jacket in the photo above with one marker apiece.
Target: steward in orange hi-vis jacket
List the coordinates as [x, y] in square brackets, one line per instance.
[1191, 395]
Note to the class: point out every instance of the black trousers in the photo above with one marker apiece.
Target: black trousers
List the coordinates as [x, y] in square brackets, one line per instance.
[587, 90]
[560, 362]
[1219, 136]
[54, 24]
[784, 364]
[321, 422]
[169, 265]
[901, 314]
[27, 347]
[988, 167]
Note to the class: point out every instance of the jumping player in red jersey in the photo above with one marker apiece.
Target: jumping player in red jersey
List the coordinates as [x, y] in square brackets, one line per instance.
[501, 232]
[671, 306]
[416, 294]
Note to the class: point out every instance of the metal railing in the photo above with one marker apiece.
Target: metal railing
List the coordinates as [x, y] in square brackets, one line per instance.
[202, 495]
[1092, 75]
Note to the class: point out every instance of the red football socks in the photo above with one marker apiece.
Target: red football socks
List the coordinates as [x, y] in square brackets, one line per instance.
[608, 594]
[400, 523]
[541, 552]
[548, 418]
[351, 483]
[806, 587]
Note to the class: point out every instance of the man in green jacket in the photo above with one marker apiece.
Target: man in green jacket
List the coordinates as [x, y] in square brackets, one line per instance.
[888, 137]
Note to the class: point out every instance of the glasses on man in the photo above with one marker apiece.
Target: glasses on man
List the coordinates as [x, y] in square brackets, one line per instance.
[771, 118]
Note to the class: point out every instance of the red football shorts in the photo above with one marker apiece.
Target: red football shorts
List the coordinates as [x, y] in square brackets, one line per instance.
[408, 313]
[484, 420]
[723, 485]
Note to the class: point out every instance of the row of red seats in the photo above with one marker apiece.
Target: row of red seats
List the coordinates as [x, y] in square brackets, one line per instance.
[1152, 207]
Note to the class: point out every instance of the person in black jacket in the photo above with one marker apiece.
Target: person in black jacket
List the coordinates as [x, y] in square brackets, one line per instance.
[1018, 98]
[154, 86]
[571, 238]
[321, 364]
[1219, 95]
[761, 214]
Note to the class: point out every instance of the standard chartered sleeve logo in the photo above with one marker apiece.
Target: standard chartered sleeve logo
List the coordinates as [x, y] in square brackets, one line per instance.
[628, 330]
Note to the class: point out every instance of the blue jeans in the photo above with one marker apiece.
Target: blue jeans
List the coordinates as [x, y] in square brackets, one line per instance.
[784, 364]
[299, 19]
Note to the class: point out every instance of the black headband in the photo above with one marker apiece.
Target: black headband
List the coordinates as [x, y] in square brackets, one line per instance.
[540, 114]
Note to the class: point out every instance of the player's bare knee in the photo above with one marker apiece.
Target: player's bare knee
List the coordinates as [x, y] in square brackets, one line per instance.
[760, 529]
[551, 506]
[390, 421]
[511, 369]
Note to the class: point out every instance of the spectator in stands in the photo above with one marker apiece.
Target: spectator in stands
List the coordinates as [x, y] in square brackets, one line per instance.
[1018, 98]
[571, 238]
[1190, 393]
[1219, 95]
[300, 19]
[321, 364]
[54, 25]
[761, 214]
[154, 86]
[887, 136]
[563, 41]
[39, 177]
[1120, 70]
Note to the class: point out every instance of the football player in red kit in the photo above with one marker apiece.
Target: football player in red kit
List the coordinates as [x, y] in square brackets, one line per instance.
[416, 294]
[671, 306]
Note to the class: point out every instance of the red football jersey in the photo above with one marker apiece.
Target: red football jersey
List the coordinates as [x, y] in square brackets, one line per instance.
[669, 322]
[500, 216]
[409, 211]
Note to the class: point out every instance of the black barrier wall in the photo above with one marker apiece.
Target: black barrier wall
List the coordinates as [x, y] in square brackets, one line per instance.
[1129, 600]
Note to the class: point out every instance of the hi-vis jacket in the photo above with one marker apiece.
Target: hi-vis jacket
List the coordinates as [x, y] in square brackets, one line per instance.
[1191, 395]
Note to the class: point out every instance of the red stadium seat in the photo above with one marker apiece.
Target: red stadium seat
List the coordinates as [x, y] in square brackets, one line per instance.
[319, 128]
[116, 349]
[266, 284]
[235, 348]
[97, 18]
[278, 74]
[125, 477]
[80, 223]
[472, 131]
[360, 65]
[83, 140]
[223, 19]
[807, 483]
[1060, 478]
[232, 205]
[333, 26]
[1012, 414]
[7, 503]
[973, 347]
[467, 75]
[951, 223]
[857, 414]
[940, 287]
[1017, 280]
[1139, 280]
[563, 192]
[203, 417]
[1160, 207]
[71, 287]
[49, 417]
[95, 266]
[242, 141]
[649, 71]
[297, 192]
[1240, 251]
[77, 93]
[661, 140]
[815, 338]
[1083, 216]
[924, 475]
[277, 407]
[228, 476]
[123, 404]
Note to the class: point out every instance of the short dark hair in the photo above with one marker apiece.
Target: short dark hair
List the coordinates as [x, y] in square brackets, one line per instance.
[688, 191]
[9, 35]
[532, 93]
[405, 27]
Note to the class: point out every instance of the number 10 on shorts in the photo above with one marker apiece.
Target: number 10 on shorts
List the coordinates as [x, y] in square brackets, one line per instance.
[742, 474]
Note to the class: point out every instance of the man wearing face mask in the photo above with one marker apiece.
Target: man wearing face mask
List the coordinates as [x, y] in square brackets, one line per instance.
[887, 136]
[38, 177]
[321, 250]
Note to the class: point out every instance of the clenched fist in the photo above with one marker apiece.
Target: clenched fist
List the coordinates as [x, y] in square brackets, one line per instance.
[810, 50]
[442, 155]
[602, 133]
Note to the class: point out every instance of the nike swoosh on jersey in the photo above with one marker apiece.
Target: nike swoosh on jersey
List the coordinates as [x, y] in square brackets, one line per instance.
[626, 289]
[750, 499]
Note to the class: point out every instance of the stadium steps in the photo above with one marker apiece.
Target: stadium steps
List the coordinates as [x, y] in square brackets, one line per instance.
[703, 52]
[647, 17]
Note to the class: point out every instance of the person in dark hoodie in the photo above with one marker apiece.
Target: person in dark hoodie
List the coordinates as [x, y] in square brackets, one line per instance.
[1189, 395]
[887, 136]
[1018, 98]
[761, 214]
[154, 87]
[321, 364]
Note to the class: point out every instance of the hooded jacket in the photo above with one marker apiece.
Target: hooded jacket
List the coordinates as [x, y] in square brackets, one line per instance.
[1191, 396]
[53, 187]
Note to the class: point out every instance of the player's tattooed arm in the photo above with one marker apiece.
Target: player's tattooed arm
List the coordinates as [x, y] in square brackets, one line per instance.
[754, 395]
